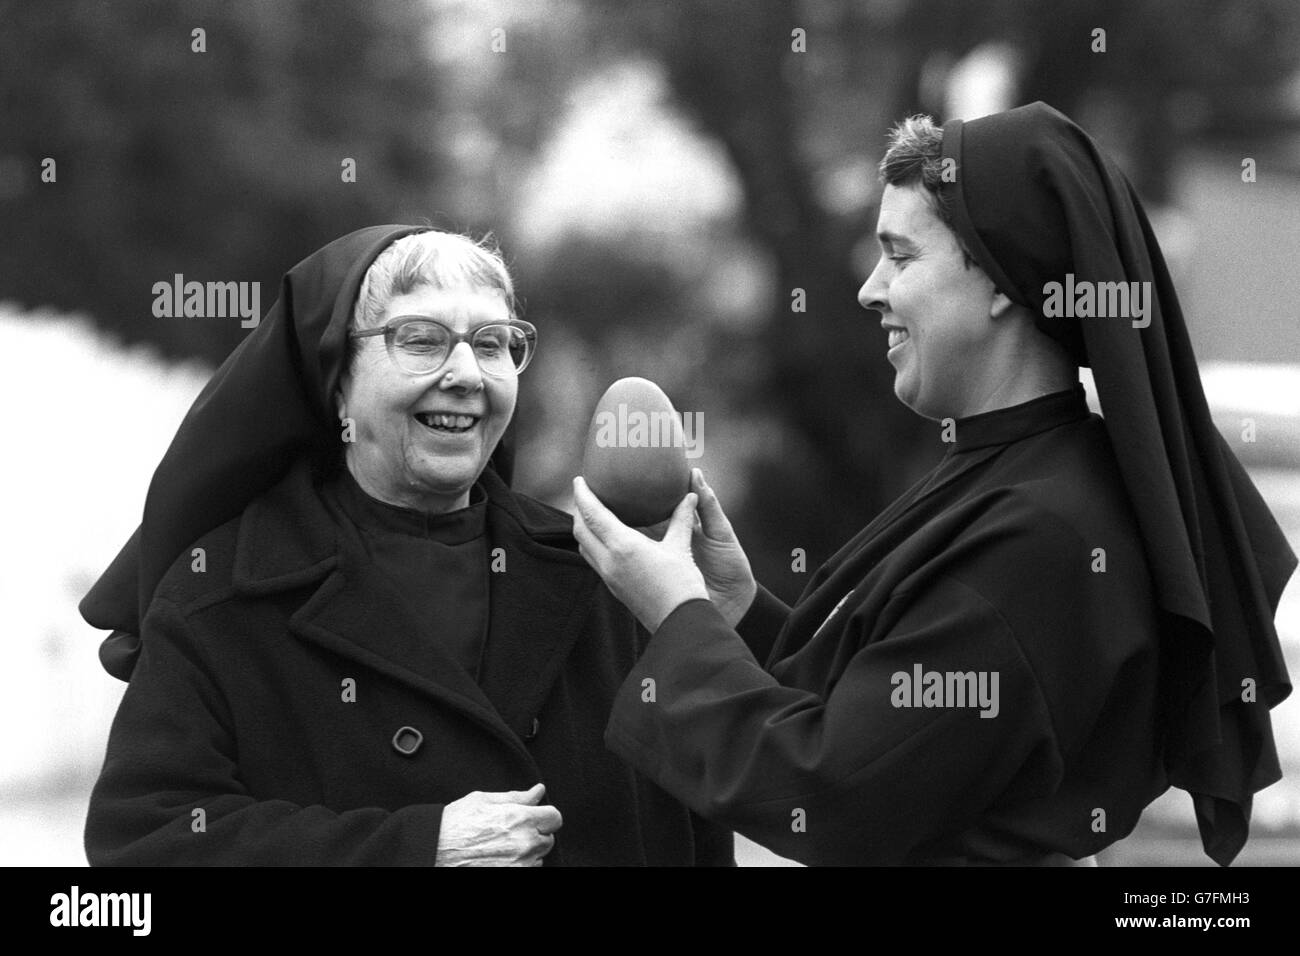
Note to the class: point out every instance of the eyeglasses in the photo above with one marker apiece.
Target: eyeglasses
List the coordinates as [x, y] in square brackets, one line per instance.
[419, 345]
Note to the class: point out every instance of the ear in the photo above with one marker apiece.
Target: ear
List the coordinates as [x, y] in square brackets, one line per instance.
[1000, 305]
[339, 404]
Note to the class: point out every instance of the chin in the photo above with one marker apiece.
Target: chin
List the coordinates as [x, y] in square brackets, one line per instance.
[446, 485]
[920, 406]
[443, 481]
[906, 395]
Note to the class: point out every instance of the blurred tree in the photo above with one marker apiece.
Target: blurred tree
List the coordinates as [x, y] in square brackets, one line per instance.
[848, 445]
[226, 165]
[1161, 74]
[219, 165]
[800, 95]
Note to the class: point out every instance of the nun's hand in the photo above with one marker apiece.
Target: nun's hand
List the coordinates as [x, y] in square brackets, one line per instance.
[719, 555]
[511, 828]
[650, 577]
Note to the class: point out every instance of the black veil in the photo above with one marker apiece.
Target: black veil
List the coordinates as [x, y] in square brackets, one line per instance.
[1035, 201]
[267, 405]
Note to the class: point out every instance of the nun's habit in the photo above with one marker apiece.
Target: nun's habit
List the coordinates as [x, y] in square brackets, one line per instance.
[1063, 619]
[334, 670]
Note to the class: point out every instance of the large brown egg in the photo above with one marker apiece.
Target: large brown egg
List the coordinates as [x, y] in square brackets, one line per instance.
[635, 458]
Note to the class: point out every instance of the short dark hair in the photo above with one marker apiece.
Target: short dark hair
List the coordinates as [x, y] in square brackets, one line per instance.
[915, 156]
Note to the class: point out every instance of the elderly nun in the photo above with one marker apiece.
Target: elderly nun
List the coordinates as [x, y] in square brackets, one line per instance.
[347, 640]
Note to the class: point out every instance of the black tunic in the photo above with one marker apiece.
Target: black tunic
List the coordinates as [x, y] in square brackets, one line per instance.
[1016, 559]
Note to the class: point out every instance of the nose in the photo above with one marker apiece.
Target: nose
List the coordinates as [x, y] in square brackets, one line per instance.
[874, 293]
[461, 371]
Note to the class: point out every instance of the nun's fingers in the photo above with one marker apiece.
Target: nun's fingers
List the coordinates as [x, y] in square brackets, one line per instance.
[599, 520]
[593, 551]
[714, 523]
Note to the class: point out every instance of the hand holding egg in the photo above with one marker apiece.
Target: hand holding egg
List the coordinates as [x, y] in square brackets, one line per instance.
[635, 473]
[635, 457]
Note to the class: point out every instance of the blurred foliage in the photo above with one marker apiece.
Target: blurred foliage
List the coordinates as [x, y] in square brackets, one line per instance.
[225, 165]
[1172, 71]
[221, 165]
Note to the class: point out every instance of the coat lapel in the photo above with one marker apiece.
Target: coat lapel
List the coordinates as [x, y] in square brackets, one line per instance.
[360, 617]
[289, 540]
[539, 600]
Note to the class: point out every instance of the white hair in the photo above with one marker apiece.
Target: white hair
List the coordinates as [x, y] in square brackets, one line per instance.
[441, 260]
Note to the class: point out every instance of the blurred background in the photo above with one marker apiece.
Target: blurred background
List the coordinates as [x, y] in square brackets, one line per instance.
[662, 177]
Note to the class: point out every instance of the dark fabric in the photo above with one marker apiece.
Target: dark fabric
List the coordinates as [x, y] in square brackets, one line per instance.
[237, 707]
[987, 565]
[267, 405]
[1035, 201]
[437, 564]
[448, 528]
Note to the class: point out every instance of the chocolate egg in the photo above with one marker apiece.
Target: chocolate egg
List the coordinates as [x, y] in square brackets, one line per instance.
[635, 458]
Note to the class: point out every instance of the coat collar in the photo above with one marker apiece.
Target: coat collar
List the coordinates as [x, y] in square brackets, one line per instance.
[540, 594]
[1003, 426]
[287, 538]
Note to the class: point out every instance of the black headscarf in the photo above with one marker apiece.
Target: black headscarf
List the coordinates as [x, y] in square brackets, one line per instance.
[270, 403]
[1034, 199]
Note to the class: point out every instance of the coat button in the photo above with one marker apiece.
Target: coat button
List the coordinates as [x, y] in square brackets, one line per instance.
[532, 732]
[407, 741]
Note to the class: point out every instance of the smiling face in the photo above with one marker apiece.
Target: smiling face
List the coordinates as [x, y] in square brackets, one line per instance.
[407, 451]
[941, 313]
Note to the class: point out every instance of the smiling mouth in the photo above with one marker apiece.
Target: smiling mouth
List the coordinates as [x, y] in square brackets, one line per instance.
[453, 424]
[897, 337]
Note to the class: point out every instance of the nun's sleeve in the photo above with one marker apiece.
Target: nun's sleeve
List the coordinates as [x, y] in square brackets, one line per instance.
[762, 623]
[849, 778]
[170, 791]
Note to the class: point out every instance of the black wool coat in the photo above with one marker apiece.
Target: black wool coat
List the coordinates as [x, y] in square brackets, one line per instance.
[285, 711]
